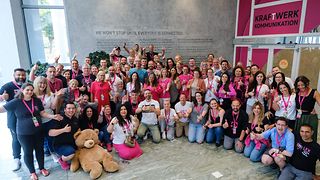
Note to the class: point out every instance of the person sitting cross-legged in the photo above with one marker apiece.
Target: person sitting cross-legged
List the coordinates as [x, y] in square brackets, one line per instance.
[282, 144]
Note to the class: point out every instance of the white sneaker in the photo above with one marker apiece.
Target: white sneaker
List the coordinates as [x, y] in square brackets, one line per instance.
[145, 137]
[55, 157]
[17, 164]
[164, 135]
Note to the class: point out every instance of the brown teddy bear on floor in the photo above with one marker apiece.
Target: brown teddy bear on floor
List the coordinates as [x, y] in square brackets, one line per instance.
[90, 155]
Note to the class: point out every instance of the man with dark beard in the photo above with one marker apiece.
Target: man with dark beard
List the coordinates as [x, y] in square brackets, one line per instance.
[8, 91]
[234, 123]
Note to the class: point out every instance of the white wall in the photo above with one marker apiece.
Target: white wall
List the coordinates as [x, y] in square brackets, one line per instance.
[9, 56]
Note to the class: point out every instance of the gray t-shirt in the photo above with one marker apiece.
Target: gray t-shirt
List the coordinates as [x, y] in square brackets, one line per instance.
[149, 117]
[183, 109]
[197, 111]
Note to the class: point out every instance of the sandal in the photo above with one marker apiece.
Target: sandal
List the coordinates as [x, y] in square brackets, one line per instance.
[33, 176]
[44, 172]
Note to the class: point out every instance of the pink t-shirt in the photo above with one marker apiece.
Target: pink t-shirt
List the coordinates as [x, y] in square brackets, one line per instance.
[184, 79]
[164, 84]
[155, 91]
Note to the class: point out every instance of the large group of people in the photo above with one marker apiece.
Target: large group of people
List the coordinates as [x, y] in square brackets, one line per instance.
[269, 118]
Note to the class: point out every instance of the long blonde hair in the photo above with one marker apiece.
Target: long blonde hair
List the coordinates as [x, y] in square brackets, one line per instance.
[36, 85]
[261, 114]
[99, 73]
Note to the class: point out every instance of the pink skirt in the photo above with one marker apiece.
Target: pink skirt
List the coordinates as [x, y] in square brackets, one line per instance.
[128, 153]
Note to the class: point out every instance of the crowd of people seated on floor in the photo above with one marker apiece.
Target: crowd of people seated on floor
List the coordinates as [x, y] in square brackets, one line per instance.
[269, 118]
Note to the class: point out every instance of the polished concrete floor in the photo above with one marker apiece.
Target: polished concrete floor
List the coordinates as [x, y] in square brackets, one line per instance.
[168, 160]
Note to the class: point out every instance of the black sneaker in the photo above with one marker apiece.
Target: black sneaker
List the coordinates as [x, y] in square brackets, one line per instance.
[140, 140]
[218, 144]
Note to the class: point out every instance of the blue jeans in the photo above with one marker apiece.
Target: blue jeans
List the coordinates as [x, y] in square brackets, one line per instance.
[196, 133]
[290, 172]
[214, 134]
[104, 135]
[253, 153]
[48, 140]
[65, 150]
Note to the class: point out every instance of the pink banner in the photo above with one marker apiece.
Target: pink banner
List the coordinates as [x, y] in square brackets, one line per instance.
[312, 20]
[244, 17]
[277, 19]
[242, 55]
[260, 57]
[263, 1]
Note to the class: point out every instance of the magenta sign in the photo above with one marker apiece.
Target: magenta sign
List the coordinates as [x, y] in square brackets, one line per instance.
[277, 19]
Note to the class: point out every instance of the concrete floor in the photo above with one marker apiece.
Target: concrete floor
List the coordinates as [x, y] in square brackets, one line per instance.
[178, 159]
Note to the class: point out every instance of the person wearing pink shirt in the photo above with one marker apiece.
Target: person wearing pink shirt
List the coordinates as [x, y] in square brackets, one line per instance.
[225, 91]
[184, 78]
[100, 90]
[152, 85]
[165, 83]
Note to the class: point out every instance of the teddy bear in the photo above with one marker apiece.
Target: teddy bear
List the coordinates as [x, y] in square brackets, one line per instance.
[90, 155]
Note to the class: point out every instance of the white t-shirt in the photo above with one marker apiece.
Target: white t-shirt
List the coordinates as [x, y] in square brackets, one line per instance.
[149, 117]
[211, 85]
[47, 103]
[290, 112]
[130, 87]
[183, 109]
[119, 135]
[287, 79]
[171, 116]
[113, 82]
[264, 88]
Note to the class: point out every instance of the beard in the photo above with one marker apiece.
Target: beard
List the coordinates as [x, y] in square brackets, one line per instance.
[235, 110]
[20, 81]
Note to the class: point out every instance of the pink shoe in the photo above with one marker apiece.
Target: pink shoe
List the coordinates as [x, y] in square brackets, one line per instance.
[109, 147]
[64, 165]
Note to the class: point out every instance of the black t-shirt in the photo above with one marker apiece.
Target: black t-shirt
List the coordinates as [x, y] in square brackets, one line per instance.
[64, 80]
[150, 55]
[25, 125]
[12, 90]
[242, 123]
[305, 155]
[84, 123]
[65, 138]
[86, 82]
[255, 129]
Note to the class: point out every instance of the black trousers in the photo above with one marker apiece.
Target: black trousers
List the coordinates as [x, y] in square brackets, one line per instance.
[29, 144]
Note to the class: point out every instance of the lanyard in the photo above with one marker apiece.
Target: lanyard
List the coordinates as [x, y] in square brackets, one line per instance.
[32, 106]
[301, 100]
[198, 108]
[237, 82]
[101, 87]
[210, 83]
[258, 91]
[87, 80]
[235, 120]
[167, 116]
[213, 115]
[127, 128]
[253, 125]
[278, 141]
[131, 87]
[286, 104]
[43, 100]
[90, 125]
[114, 79]
[74, 74]
[16, 84]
